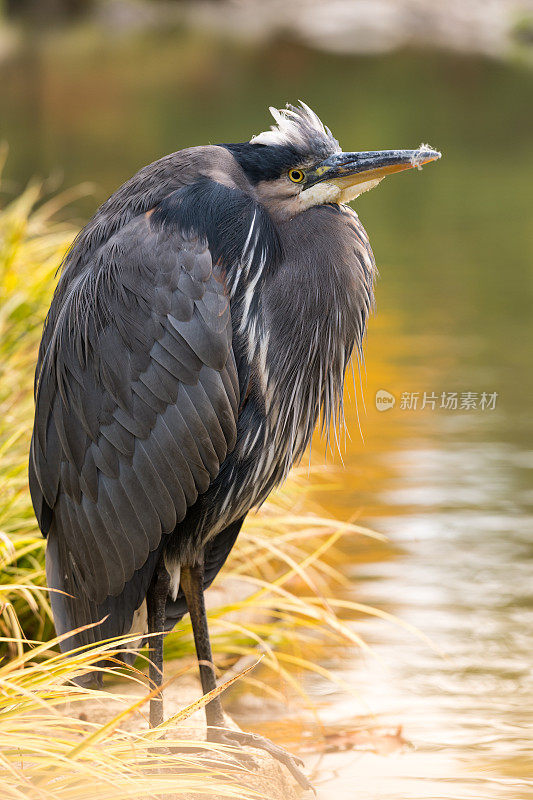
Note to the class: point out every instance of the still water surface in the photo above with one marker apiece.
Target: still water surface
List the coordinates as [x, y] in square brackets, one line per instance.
[450, 488]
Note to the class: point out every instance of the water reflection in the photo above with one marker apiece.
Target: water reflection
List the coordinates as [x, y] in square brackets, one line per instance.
[455, 499]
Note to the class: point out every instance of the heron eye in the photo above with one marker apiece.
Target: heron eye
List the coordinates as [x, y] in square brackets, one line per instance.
[296, 175]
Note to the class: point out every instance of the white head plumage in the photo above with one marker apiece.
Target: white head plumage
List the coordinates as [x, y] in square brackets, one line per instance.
[299, 127]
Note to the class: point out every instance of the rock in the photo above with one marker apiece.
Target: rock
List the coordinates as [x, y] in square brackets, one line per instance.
[270, 779]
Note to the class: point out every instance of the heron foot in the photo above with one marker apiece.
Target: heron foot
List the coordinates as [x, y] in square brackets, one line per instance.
[233, 737]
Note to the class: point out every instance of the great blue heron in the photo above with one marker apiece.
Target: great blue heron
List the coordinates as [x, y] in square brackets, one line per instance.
[203, 320]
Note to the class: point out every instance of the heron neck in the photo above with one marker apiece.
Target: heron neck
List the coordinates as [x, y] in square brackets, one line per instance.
[312, 312]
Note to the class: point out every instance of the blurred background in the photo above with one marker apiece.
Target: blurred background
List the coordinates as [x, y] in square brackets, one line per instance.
[91, 91]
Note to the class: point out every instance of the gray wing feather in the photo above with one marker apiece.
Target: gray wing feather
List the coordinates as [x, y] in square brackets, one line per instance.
[136, 407]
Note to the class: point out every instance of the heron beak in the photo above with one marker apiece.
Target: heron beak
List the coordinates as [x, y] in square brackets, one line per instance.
[355, 173]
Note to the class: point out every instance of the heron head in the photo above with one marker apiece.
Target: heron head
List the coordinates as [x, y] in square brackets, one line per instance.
[298, 163]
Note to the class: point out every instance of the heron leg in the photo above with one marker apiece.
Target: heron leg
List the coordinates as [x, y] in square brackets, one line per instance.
[192, 583]
[156, 599]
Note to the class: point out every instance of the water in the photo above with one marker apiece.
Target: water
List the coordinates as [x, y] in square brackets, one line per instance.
[458, 511]
[450, 488]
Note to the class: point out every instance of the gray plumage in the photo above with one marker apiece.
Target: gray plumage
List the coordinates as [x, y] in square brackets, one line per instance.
[203, 321]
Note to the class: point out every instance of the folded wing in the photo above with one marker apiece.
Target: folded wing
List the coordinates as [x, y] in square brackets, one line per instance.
[136, 406]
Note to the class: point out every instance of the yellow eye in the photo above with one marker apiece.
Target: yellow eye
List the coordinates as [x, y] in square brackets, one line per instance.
[296, 175]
